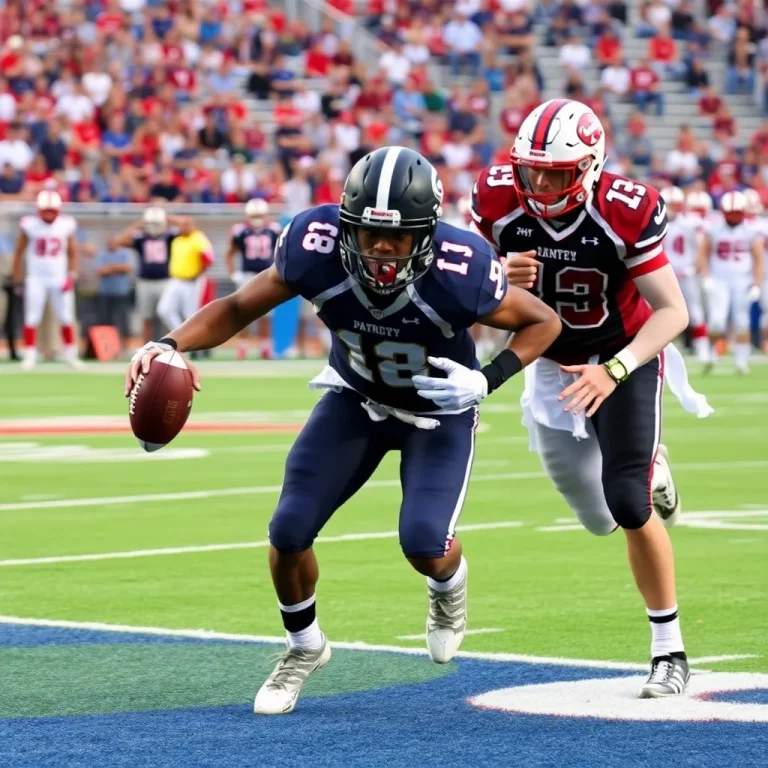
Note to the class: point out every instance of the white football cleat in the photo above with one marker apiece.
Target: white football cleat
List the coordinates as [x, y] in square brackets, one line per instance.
[281, 689]
[446, 622]
[29, 362]
[666, 499]
[76, 363]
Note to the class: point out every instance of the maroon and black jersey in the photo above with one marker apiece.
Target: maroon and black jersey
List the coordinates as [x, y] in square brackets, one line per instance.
[588, 261]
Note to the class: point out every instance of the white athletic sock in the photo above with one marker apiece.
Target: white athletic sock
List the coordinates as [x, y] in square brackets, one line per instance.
[701, 349]
[454, 581]
[666, 637]
[741, 352]
[309, 638]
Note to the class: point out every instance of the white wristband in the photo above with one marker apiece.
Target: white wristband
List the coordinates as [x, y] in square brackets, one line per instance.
[627, 359]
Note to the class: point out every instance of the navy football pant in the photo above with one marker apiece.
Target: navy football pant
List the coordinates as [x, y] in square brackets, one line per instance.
[340, 447]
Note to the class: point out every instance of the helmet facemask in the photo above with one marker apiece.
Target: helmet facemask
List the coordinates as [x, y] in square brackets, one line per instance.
[379, 273]
[555, 202]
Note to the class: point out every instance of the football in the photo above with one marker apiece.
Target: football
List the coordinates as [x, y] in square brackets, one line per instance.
[160, 401]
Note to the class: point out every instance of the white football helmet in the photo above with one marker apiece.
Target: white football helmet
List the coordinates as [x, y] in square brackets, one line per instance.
[558, 156]
[155, 221]
[256, 210]
[734, 207]
[674, 197]
[699, 201]
[48, 205]
[754, 203]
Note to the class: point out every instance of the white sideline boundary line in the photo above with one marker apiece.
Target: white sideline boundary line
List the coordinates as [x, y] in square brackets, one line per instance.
[235, 545]
[99, 501]
[204, 634]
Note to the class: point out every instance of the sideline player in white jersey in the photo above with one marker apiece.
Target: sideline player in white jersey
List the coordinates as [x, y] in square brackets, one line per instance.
[46, 255]
[732, 268]
[685, 238]
[756, 215]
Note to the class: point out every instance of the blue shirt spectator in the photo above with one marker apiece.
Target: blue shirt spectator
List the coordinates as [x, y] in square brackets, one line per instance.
[11, 182]
[115, 267]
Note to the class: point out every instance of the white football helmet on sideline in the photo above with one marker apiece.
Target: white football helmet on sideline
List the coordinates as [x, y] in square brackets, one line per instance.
[48, 205]
[754, 203]
[734, 207]
[155, 221]
[558, 156]
[674, 197]
[256, 211]
[699, 201]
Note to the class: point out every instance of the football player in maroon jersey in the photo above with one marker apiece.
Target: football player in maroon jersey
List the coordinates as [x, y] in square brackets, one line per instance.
[590, 244]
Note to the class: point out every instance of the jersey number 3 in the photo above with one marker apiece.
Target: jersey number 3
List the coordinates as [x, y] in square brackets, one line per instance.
[587, 286]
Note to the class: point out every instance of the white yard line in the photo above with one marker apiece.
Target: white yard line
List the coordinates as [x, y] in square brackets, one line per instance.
[99, 501]
[481, 631]
[235, 545]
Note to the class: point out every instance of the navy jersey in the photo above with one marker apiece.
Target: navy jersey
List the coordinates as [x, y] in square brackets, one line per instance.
[379, 343]
[154, 254]
[255, 246]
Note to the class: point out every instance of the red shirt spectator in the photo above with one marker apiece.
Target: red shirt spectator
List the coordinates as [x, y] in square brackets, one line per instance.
[317, 63]
[182, 79]
[512, 118]
[172, 54]
[108, 23]
[710, 103]
[287, 114]
[663, 49]
[608, 49]
[643, 78]
[724, 122]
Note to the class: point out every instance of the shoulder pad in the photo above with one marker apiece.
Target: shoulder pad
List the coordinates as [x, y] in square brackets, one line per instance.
[493, 197]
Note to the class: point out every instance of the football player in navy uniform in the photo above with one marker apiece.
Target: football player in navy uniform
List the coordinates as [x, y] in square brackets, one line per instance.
[254, 242]
[590, 245]
[398, 290]
[151, 239]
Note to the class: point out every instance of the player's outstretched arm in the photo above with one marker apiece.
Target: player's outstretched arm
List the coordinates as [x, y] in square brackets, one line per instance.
[758, 263]
[535, 324]
[216, 322]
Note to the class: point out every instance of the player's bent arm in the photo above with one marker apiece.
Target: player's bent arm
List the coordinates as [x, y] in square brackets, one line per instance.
[535, 327]
[72, 256]
[124, 238]
[224, 318]
[18, 257]
[669, 319]
[229, 258]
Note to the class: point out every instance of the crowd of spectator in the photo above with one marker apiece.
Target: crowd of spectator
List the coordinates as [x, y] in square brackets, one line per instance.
[219, 101]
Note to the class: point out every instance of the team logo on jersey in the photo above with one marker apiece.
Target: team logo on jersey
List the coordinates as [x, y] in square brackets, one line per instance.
[589, 130]
[590, 241]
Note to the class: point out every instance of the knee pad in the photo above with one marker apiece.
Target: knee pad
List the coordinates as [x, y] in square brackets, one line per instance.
[291, 528]
[423, 538]
[629, 500]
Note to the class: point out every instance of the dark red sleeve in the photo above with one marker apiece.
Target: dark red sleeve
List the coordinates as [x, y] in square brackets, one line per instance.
[637, 214]
[494, 198]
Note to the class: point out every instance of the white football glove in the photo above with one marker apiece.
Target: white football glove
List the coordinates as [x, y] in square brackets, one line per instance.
[238, 278]
[707, 284]
[754, 293]
[462, 389]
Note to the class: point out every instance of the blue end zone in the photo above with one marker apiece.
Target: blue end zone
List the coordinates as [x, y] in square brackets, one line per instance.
[423, 724]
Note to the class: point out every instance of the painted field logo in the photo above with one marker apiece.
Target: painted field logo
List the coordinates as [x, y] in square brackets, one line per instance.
[615, 699]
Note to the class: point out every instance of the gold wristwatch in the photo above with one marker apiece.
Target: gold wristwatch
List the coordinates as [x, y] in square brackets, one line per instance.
[616, 370]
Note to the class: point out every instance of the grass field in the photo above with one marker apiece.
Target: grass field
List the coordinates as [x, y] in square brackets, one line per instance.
[94, 530]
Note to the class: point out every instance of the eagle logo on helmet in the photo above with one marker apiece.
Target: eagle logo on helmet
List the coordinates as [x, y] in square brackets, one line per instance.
[589, 129]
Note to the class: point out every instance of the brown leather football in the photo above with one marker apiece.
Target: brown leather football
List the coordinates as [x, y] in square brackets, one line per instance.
[160, 401]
